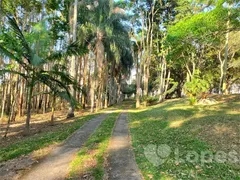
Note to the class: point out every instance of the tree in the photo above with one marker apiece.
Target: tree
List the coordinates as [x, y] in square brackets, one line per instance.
[107, 38]
[73, 59]
[17, 48]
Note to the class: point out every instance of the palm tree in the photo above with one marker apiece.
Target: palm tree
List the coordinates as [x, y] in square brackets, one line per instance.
[103, 29]
[16, 47]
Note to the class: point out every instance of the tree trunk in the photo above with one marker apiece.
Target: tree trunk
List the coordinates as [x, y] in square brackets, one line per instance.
[119, 89]
[12, 114]
[92, 86]
[4, 100]
[73, 58]
[162, 80]
[44, 103]
[84, 82]
[105, 83]
[53, 110]
[79, 76]
[100, 59]
[20, 100]
[106, 98]
[225, 62]
[8, 97]
[138, 80]
[28, 100]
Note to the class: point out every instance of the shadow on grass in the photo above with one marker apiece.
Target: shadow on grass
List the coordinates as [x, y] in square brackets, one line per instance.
[180, 126]
[40, 140]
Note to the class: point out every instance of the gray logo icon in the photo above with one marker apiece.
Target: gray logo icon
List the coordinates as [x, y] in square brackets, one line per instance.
[157, 155]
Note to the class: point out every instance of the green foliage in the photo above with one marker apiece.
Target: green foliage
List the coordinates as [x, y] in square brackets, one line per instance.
[152, 99]
[184, 129]
[110, 24]
[128, 89]
[57, 79]
[192, 100]
[196, 87]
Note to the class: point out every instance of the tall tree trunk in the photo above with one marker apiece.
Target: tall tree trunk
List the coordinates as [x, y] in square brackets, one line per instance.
[37, 99]
[28, 100]
[84, 82]
[93, 85]
[221, 72]
[105, 83]
[119, 89]
[8, 97]
[92, 94]
[20, 100]
[79, 76]
[138, 80]
[53, 109]
[4, 100]
[73, 58]
[100, 59]
[12, 114]
[44, 103]
[225, 62]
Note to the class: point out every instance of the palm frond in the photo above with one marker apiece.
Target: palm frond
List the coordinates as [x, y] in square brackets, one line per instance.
[18, 33]
[3, 71]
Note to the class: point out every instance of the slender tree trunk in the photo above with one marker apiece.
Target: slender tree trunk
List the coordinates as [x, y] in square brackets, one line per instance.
[8, 97]
[84, 82]
[106, 98]
[73, 58]
[37, 99]
[28, 100]
[92, 94]
[221, 73]
[119, 89]
[225, 62]
[44, 103]
[20, 100]
[145, 82]
[162, 80]
[105, 83]
[138, 80]
[53, 109]
[12, 114]
[88, 95]
[79, 77]
[93, 85]
[4, 100]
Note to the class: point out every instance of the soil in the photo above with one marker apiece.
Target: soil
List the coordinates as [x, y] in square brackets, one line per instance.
[40, 123]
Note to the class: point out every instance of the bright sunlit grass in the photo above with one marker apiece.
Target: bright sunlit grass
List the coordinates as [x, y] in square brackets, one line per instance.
[186, 128]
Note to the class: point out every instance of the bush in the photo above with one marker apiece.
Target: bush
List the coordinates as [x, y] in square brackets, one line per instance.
[152, 99]
[196, 88]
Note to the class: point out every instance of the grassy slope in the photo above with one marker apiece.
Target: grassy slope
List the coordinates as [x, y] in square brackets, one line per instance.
[188, 128]
[41, 140]
[90, 159]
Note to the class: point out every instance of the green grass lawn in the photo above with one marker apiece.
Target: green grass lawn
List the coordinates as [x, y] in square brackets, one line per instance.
[174, 140]
[41, 140]
[90, 159]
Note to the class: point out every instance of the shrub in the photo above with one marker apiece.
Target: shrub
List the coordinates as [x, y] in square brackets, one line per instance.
[152, 99]
[196, 88]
